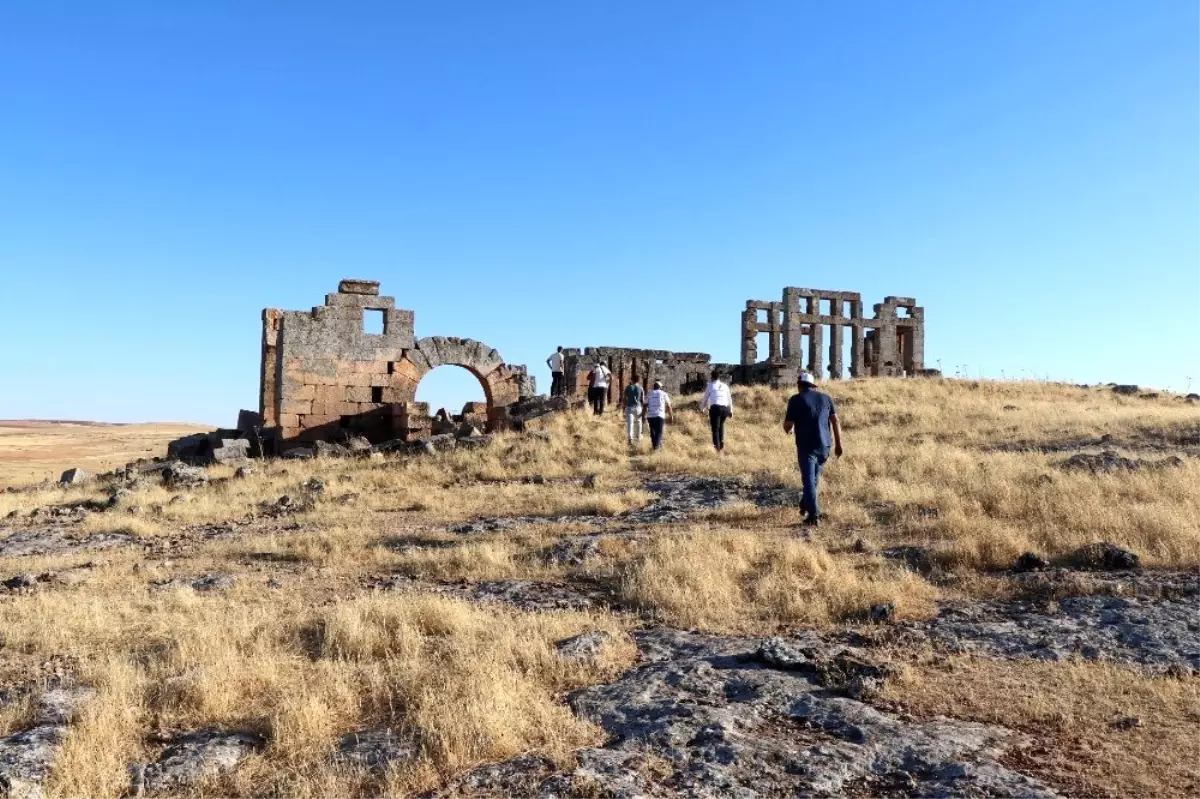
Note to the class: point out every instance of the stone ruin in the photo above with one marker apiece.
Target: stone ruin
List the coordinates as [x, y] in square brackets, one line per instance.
[889, 344]
[327, 374]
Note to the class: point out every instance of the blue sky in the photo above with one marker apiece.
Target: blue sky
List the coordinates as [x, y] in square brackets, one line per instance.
[534, 174]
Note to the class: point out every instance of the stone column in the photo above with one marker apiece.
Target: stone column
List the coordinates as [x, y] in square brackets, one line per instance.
[816, 341]
[791, 327]
[749, 340]
[918, 338]
[835, 341]
[888, 357]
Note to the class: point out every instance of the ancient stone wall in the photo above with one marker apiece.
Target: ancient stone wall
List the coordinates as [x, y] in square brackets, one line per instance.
[325, 371]
[679, 372]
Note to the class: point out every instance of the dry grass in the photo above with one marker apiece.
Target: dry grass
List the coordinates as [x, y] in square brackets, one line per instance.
[323, 656]
[1070, 708]
[725, 581]
[472, 685]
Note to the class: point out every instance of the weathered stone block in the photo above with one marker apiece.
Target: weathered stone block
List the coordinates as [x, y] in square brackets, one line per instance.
[357, 286]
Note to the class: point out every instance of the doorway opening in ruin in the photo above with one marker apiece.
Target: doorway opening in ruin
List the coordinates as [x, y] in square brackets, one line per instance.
[451, 387]
[374, 322]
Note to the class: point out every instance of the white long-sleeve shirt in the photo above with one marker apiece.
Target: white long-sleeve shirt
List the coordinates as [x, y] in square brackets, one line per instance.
[717, 393]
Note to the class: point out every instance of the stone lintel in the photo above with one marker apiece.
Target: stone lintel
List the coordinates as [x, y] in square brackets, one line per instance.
[354, 286]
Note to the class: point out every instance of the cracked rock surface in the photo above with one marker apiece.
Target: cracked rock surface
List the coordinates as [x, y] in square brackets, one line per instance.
[710, 716]
[26, 757]
[1159, 634]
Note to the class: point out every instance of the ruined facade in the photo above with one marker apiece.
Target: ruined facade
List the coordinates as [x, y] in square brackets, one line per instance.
[679, 372]
[353, 364]
[808, 323]
[800, 330]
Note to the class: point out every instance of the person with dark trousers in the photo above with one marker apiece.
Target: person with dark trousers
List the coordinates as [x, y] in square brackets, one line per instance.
[555, 362]
[598, 387]
[811, 416]
[718, 401]
[657, 411]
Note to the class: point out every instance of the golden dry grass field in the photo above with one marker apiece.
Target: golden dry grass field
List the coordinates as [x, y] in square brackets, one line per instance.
[317, 636]
[32, 451]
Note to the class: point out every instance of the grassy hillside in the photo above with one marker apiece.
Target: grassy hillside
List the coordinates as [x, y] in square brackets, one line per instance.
[304, 647]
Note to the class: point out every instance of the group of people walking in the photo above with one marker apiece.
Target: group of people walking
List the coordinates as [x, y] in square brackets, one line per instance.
[810, 417]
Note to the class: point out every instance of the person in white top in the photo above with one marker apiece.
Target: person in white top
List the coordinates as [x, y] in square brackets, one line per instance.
[718, 401]
[657, 411]
[598, 387]
[555, 362]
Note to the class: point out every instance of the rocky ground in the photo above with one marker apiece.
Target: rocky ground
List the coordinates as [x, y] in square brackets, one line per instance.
[699, 714]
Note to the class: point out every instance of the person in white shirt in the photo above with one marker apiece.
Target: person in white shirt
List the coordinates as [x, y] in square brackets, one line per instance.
[555, 362]
[598, 387]
[718, 401]
[657, 411]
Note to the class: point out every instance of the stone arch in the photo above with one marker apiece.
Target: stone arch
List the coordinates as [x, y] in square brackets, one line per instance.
[503, 384]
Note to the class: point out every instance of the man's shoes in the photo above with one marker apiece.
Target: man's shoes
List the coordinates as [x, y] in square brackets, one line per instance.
[812, 521]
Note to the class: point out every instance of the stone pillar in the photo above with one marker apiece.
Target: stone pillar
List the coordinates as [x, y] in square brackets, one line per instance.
[835, 341]
[773, 335]
[870, 367]
[918, 338]
[749, 338]
[816, 344]
[268, 388]
[887, 354]
[791, 327]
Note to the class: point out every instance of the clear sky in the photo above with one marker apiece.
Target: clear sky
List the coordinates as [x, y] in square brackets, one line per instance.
[541, 173]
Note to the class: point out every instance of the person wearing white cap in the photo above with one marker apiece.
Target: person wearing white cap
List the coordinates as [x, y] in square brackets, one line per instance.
[811, 416]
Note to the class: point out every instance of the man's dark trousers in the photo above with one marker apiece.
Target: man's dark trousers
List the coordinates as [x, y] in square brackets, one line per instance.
[597, 396]
[811, 464]
[717, 414]
[656, 430]
[556, 383]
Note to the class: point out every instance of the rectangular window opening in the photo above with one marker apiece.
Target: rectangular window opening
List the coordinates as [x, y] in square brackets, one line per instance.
[377, 394]
[391, 367]
[826, 307]
[374, 323]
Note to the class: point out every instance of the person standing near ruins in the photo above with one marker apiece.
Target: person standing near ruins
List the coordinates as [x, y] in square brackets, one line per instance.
[718, 401]
[555, 362]
[657, 411]
[811, 416]
[634, 397]
[598, 387]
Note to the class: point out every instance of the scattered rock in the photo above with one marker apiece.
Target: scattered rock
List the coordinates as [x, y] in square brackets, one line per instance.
[328, 449]
[180, 475]
[1126, 723]
[298, 453]
[1109, 461]
[21, 582]
[589, 481]
[1192, 398]
[538, 480]
[1125, 390]
[76, 476]
[230, 450]
[196, 755]
[375, 750]
[861, 547]
[213, 582]
[1011, 408]
[242, 472]
[1103, 556]
[583, 647]
[315, 485]
[781, 654]
[883, 612]
[358, 445]
[284, 501]
[1030, 561]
